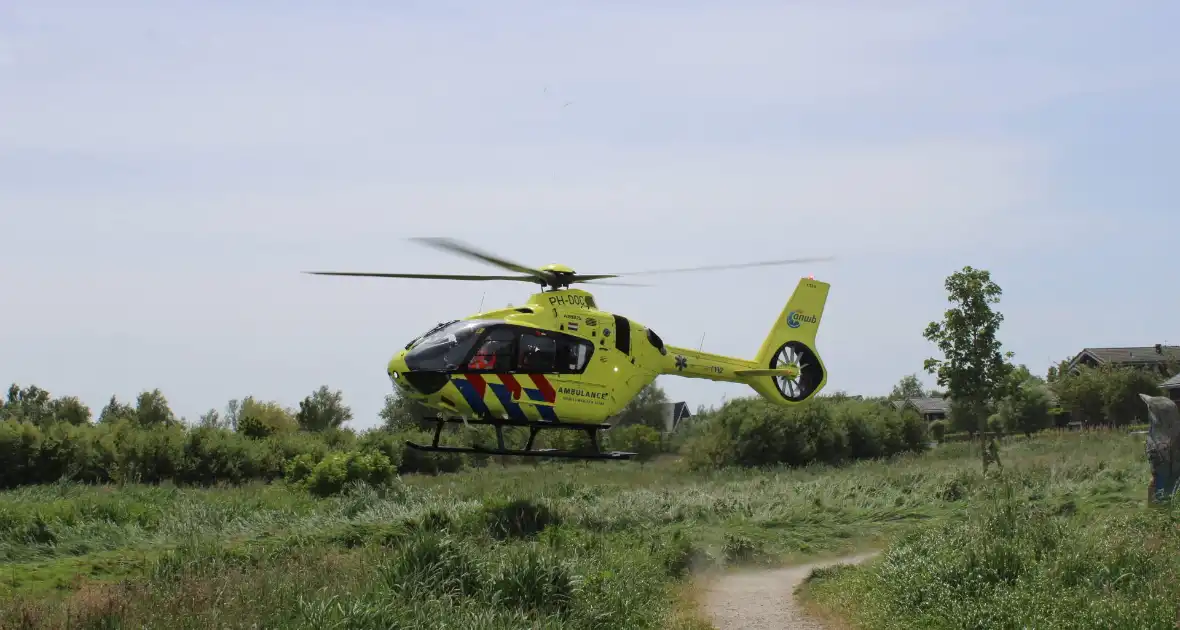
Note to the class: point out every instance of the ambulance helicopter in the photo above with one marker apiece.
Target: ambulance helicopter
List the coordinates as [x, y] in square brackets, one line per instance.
[560, 362]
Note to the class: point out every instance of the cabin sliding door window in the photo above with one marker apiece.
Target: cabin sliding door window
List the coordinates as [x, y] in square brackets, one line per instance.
[573, 354]
[537, 353]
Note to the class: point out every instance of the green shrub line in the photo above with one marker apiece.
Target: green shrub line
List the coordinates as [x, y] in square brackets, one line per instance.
[747, 432]
[753, 432]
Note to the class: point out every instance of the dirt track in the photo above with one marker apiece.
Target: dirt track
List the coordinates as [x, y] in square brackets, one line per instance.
[764, 600]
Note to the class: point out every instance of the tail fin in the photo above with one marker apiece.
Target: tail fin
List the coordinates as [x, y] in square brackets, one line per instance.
[789, 367]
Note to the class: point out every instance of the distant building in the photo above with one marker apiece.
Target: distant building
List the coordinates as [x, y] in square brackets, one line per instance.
[674, 414]
[930, 408]
[1159, 358]
[1171, 388]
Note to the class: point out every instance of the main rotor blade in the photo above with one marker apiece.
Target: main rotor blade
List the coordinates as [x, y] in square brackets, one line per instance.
[616, 284]
[790, 261]
[455, 247]
[586, 277]
[429, 276]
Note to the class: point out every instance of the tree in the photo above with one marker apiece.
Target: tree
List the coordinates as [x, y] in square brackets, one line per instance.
[1121, 402]
[210, 419]
[70, 410]
[29, 404]
[1082, 395]
[1106, 394]
[647, 407]
[1058, 371]
[323, 410]
[233, 411]
[36, 406]
[973, 369]
[115, 411]
[151, 409]
[401, 412]
[908, 387]
[1026, 410]
[263, 419]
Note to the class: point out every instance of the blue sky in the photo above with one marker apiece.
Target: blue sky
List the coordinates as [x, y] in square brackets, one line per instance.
[168, 168]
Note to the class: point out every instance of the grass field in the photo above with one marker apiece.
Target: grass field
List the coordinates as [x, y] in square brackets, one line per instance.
[598, 545]
[1060, 542]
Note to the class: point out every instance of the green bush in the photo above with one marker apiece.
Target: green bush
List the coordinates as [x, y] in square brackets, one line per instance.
[938, 430]
[264, 419]
[148, 454]
[339, 469]
[213, 456]
[640, 439]
[123, 450]
[300, 468]
[757, 432]
[1026, 410]
[1106, 394]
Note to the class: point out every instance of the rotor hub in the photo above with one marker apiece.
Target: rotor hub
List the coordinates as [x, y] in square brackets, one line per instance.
[558, 268]
[557, 276]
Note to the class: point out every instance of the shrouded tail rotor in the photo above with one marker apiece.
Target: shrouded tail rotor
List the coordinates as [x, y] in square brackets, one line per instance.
[809, 372]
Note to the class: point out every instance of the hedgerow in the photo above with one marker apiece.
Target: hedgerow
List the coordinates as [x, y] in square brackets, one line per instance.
[754, 432]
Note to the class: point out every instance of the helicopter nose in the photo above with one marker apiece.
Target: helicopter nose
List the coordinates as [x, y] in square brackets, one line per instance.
[397, 370]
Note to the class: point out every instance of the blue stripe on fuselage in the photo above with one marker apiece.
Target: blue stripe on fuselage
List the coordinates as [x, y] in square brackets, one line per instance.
[470, 395]
[547, 412]
[505, 397]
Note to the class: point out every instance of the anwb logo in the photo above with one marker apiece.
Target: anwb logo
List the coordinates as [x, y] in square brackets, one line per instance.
[796, 318]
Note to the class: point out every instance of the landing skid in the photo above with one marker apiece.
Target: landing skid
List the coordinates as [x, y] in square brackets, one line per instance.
[534, 428]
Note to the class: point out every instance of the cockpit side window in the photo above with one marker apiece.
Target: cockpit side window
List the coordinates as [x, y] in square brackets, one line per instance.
[445, 349]
[496, 352]
[496, 347]
[430, 332]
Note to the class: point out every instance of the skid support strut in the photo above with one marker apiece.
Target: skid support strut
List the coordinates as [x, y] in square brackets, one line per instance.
[534, 428]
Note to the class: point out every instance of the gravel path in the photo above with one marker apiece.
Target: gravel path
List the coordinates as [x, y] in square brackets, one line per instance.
[764, 600]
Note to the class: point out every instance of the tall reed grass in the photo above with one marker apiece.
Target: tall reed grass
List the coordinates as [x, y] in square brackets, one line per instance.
[577, 545]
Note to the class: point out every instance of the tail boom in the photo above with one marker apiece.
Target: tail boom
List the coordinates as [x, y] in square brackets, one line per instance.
[714, 367]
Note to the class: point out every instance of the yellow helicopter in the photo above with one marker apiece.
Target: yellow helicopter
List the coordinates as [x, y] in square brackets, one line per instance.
[560, 362]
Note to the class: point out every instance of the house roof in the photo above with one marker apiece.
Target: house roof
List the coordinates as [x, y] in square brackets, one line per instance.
[1130, 354]
[1171, 383]
[937, 404]
[929, 405]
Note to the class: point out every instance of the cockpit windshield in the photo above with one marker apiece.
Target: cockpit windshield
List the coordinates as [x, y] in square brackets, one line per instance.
[446, 348]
